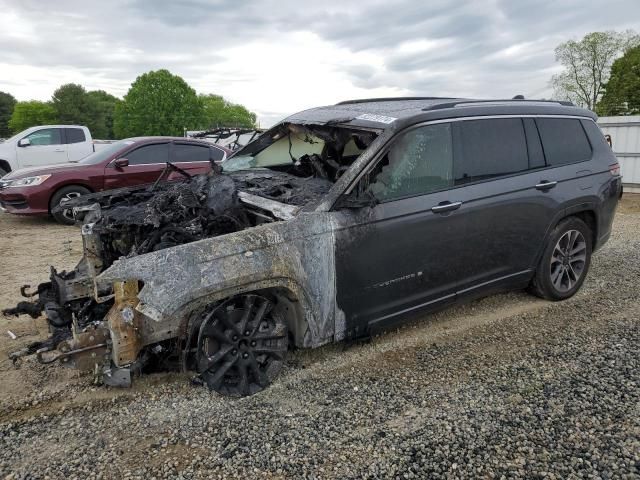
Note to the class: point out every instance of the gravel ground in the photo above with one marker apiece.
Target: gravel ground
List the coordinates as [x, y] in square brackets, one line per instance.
[506, 387]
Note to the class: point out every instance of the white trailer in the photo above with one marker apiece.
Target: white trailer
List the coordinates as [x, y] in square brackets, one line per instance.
[625, 139]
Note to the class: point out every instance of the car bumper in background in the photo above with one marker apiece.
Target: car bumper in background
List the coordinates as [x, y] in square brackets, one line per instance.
[19, 204]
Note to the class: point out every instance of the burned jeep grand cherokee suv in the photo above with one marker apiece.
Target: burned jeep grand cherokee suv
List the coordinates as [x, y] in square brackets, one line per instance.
[333, 224]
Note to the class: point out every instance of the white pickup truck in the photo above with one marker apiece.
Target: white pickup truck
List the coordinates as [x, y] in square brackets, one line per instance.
[45, 145]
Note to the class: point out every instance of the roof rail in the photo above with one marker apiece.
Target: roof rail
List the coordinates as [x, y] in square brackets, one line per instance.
[459, 103]
[391, 99]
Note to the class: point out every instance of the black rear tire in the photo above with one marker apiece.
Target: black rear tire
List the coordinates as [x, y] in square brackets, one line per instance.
[3, 172]
[565, 261]
[65, 217]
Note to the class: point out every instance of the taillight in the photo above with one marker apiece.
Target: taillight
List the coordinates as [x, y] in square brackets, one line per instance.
[614, 169]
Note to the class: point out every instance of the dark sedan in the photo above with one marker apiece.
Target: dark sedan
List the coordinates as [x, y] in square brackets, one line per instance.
[126, 163]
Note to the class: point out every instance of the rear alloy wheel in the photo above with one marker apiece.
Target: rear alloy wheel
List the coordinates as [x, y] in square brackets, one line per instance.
[565, 261]
[67, 193]
[568, 260]
[242, 344]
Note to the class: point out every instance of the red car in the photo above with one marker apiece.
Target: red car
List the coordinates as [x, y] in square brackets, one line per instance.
[126, 163]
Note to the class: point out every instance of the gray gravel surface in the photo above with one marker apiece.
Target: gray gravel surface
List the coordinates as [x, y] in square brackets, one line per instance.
[506, 387]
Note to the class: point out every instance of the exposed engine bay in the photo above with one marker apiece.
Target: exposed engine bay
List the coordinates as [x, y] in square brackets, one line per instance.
[96, 327]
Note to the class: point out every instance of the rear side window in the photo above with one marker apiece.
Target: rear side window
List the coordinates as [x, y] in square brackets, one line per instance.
[75, 135]
[563, 140]
[420, 161]
[489, 148]
[156, 153]
[190, 153]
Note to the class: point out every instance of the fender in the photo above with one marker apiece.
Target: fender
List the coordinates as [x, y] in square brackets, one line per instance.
[297, 255]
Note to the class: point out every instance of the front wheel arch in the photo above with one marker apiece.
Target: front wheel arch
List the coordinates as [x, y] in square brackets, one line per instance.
[291, 303]
[57, 190]
[4, 167]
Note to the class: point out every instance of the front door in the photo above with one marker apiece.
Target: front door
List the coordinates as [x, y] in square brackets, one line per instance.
[46, 147]
[146, 164]
[395, 257]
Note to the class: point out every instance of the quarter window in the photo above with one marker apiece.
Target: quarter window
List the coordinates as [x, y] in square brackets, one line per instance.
[46, 136]
[217, 154]
[156, 153]
[564, 140]
[419, 162]
[489, 148]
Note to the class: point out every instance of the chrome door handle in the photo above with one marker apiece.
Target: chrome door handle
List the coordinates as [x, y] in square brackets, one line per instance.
[446, 207]
[546, 185]
[58, 150]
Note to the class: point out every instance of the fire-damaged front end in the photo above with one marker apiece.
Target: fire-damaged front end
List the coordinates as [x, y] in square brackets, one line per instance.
[217, 273]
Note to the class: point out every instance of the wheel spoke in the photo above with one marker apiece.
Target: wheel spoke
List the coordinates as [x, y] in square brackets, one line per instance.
[258, 374]
[581, 246]
[558, 281]
[573, 276]
[277, 352]
[569, 278]
[218, 335]
[571, 239]
[556, 273]
[243, 384]
[578, 258]
[218, 376]
[219, 355]
[224, 316]
[249, 300]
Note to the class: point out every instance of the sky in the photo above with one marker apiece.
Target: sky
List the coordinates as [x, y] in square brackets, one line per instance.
[280, 57]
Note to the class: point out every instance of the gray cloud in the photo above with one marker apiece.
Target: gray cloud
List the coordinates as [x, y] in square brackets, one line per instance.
[469, 48]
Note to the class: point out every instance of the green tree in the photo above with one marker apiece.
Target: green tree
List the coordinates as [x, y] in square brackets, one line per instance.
[7, 103]
[158, 103]
[31, 113]
[104, 104]
[73, 105]
[622, 91]
[587, 64]
[217, 112]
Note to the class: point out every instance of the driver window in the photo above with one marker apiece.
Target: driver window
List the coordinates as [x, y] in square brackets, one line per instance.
[46, 136]
[419, 162]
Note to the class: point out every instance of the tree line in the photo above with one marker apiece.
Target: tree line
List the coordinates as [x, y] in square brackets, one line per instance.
[601, 72]
[157, 103]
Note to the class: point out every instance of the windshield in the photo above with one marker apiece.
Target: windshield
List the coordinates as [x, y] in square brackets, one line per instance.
[105, 151]
[303, 150]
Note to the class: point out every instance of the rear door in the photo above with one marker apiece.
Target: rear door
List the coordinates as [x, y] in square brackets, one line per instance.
[46, 147]
[504, 215]
[77, 145]
[146, 163]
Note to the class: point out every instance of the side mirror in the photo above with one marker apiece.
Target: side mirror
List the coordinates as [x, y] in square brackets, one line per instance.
[120, 163]
[25, 142]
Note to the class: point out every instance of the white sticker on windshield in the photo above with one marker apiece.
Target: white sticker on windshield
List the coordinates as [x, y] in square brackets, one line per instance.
[376, 118]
